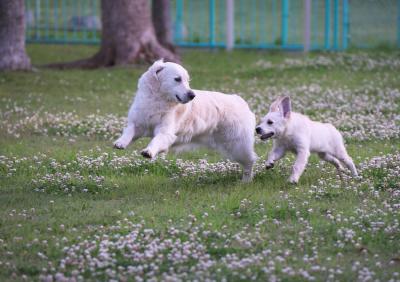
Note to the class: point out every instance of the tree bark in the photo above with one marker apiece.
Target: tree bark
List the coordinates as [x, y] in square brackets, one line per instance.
[12, 36]
[127, 37]
[161, 13]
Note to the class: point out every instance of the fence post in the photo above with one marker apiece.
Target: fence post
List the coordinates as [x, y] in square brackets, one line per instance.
[211, 7]
[46, 22]
[230, 24]
[37, 19]
[345, 24]
[336, 24]
[274, 21]
[27, 33]
[285, 19]
[85, 31]
[75, 26]
[327, 23]
[315, 16]
[55, 18]
[179, 21]
[253, 16]
[398, 23]
[94, 12]
[307, 26]
[63, 12]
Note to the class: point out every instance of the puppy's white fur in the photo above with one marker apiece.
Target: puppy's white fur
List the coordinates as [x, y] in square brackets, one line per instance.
[297, 133]
[162, 109]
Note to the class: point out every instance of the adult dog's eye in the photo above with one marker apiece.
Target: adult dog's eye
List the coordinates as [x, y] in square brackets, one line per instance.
[270, 122]
[178, 79]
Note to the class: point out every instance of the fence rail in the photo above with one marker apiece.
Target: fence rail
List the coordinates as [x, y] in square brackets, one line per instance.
[269, 24]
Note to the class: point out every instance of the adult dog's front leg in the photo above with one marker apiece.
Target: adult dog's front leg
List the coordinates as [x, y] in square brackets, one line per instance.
[126, 137]
[276, 154]
[161, 142]
[299, 165]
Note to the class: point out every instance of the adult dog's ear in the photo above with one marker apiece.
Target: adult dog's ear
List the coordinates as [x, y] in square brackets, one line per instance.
[276, 105]
[151, 77]
[286, 107]
[157, 67]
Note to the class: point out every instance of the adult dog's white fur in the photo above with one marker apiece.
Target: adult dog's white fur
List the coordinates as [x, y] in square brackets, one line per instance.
[163, 109]
[297, 133]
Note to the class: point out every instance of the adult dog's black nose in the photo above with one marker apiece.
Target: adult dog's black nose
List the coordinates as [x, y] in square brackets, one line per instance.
[191, 95]
[258, 130]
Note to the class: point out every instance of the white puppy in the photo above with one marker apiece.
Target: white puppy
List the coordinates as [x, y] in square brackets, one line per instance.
[297, 133]
[163, 109]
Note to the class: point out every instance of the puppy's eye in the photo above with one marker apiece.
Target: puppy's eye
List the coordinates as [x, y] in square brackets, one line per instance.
[270, 122]
[178, 79]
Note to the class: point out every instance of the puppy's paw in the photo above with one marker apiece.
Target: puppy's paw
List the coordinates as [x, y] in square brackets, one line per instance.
[147, 154]
[269, 165]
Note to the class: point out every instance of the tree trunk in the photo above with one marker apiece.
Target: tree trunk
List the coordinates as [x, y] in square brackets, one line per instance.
[12, 36]
[161, 13]
[127, 37]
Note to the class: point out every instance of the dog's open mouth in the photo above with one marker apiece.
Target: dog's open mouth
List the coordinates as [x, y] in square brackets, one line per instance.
[179, 99]
[266, 136]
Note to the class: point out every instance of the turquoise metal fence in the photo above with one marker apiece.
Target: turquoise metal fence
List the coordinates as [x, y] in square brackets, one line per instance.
[373, 23]
[268, 24]
[62, 21]
[199, 23]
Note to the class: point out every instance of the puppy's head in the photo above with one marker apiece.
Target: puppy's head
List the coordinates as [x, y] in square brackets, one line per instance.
[274, 123]
[170, 81]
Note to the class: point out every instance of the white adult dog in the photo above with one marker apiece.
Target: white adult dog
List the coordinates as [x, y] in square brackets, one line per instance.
[163, 109]
[297, 133]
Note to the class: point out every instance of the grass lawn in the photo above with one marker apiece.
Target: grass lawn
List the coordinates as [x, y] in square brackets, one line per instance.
[73, 207]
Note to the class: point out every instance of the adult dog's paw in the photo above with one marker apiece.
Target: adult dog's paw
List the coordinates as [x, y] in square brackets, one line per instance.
[269, 165]
[120, 144]
[293, 180]
[147, 154]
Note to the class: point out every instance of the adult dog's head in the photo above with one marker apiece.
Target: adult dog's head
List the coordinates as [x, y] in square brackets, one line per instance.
[274, 123]
[169, 81]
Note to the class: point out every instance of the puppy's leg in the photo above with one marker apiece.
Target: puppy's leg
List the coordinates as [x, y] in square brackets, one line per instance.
[277, 153]
[299, 165]
[342, 155]
[331, 159]
[161, 142]
[126, 137]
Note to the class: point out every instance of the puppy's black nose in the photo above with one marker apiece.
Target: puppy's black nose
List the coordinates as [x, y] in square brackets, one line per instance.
[258, 130]
[191, 95]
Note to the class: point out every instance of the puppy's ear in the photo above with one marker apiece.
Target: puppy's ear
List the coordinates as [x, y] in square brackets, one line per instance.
[276, 105]
[286, 107]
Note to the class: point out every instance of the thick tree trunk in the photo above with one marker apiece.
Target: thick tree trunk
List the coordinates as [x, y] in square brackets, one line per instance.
[161, 13]
[12, 36]
[127, 36]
